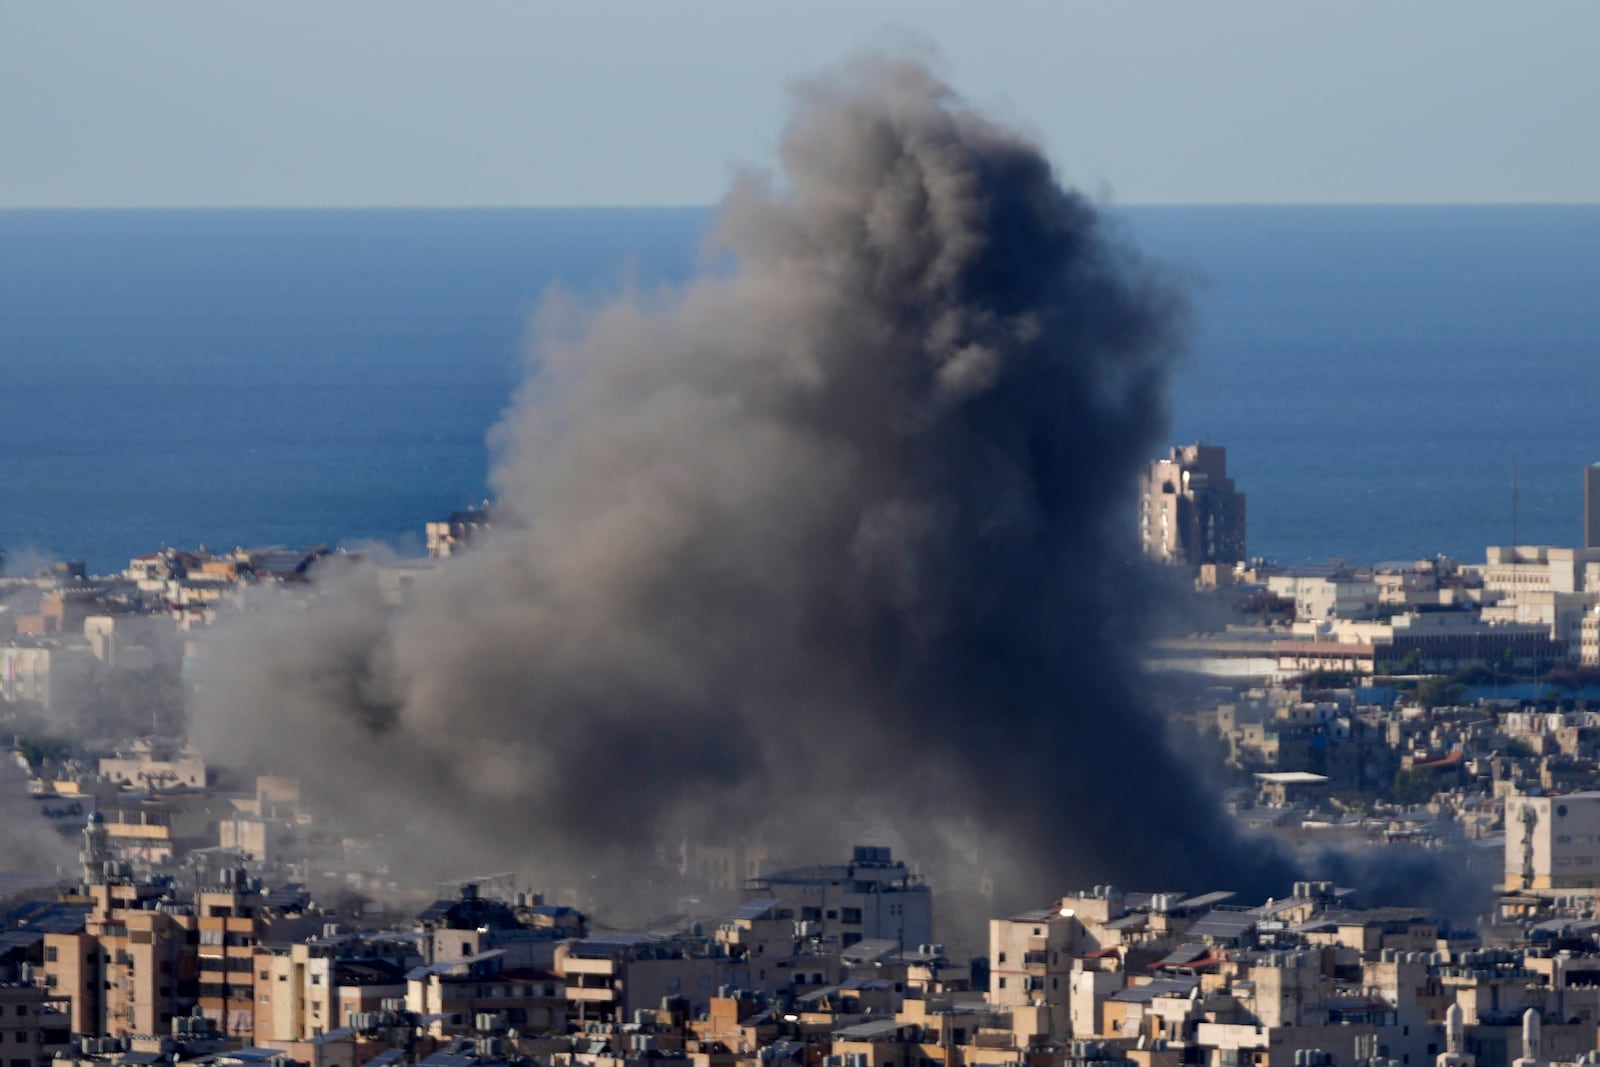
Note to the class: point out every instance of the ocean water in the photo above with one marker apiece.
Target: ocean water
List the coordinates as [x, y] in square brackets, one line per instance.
[297, 377]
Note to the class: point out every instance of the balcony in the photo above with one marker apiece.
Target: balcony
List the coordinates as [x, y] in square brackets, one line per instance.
[598, 996]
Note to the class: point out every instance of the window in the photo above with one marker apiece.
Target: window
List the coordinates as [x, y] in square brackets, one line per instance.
[49, 953]
[1002, 983]
[832, 914]
[852, 916]
[1002, 957]
[466, 948]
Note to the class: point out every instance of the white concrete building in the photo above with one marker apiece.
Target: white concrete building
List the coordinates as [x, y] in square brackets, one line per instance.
[1553, 842]
[873, 897]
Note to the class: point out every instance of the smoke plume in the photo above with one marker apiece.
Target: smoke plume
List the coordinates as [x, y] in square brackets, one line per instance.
[835, 536]
[31, 851]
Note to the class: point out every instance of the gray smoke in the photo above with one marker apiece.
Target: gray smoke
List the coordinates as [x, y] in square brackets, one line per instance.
[31, 851]
[835, 536]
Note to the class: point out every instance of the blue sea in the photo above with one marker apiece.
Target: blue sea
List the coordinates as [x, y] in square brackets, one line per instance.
[1382, 377]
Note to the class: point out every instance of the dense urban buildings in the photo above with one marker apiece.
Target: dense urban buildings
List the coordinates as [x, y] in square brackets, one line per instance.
[1440, 710]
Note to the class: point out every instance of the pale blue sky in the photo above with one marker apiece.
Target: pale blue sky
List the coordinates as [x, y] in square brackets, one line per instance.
[399, 102]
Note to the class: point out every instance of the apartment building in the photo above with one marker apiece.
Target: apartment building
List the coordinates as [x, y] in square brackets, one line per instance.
[1190, 514]
[874, 896]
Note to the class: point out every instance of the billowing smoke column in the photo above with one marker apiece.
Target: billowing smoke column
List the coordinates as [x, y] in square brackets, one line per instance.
[837, 532]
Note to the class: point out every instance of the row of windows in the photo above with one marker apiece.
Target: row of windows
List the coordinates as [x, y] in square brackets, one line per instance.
[848, 916]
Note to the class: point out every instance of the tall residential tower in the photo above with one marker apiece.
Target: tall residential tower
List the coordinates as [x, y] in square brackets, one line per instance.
[1189, 511]
[1591, 506]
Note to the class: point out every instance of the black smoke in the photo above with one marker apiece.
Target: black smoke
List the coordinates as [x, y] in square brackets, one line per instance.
[836, 535]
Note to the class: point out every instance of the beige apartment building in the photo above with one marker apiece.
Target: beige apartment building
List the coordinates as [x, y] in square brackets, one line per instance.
[1552, 843]
[126, 973]
[313, 987]
[33, 1025]
[230, 923]
[456, 996]
[1031, 958]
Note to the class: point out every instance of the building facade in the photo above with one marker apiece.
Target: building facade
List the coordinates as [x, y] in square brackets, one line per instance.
[873, 897]
[1190, 514]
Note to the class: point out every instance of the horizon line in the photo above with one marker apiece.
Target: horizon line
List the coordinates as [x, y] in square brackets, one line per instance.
[710, 205]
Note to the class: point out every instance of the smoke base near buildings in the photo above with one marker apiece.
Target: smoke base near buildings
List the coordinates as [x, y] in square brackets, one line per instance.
[833, 538]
